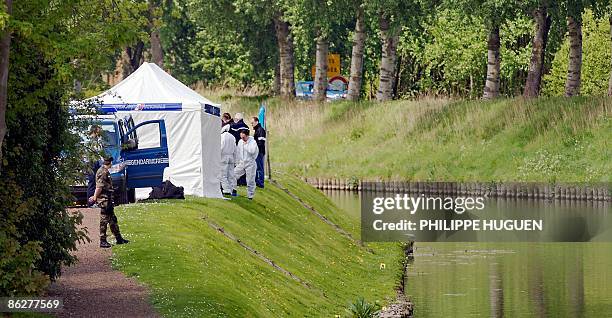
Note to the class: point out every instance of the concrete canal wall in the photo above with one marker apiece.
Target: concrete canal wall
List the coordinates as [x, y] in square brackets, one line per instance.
[547, 191]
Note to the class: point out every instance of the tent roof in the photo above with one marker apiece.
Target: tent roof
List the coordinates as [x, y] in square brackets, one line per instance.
[150, 87]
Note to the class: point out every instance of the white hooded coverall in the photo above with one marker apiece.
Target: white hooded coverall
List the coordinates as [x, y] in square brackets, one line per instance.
[246, 153]
[228, 150]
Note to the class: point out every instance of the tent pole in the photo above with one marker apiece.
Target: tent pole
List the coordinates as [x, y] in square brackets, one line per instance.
[268, 154]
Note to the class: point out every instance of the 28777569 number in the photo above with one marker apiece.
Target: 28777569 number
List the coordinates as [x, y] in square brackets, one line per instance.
[31, 304]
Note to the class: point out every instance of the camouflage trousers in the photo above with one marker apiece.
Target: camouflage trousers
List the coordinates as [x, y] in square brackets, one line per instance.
[108, 217]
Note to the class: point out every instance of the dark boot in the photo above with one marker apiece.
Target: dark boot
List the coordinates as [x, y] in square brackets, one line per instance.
[104, 244]
[121, 240]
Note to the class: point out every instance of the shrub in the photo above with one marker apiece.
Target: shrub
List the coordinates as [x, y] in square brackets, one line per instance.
[362, 309]
[40, 157]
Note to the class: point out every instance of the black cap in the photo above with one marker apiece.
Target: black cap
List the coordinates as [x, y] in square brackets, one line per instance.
[108, 160]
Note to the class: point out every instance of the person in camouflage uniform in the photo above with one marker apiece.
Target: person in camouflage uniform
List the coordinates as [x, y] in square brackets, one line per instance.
[95, 150]
[103, 196]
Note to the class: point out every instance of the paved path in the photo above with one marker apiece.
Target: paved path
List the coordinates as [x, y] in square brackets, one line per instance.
[91, 288]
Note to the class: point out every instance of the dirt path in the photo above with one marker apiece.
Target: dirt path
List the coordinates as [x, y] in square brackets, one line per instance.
[91, 288]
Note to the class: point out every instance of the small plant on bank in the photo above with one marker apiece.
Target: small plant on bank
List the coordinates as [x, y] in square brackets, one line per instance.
[362, 309]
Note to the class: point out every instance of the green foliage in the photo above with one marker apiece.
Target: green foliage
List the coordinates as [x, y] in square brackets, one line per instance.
[360, 308]
[222, 58]
[52, 47]
[449, 57]
[234, 43]
[442, 48]
[178, 33]
[17, 273]
[596, 58]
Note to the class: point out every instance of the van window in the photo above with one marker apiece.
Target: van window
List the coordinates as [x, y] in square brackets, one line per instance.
[109, 135]
[148, 136]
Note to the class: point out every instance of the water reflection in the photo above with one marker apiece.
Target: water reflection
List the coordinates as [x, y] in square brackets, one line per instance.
[509, 279]
[496, 290]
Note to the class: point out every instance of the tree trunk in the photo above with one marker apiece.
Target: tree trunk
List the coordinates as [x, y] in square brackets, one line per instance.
[397, 76]
[389, 38]
[285, 48]
[5, 46]
[157, 53]
[610, 81]
[574, 66]
[277, 79]
[132, 58]
[491, 89]
[320, 80]
[354, 89]
[536, 65]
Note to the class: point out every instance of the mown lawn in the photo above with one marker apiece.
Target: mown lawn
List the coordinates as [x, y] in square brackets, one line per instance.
[195, 271]
[543, 140]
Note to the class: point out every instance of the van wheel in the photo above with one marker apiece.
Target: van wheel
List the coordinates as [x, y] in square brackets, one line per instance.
[131, 195]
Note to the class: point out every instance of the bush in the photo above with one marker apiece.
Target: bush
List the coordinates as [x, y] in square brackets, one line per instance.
[40, 157]
[362, 309]
[17, 273]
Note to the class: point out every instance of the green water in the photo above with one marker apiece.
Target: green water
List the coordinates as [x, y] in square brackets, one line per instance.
[506, 279]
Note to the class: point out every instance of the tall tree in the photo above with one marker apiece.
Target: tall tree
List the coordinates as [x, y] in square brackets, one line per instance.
[320, 80]
[276, 85]
[389, 37]
[393, 16]
[491, 89]
[316, 20]
[359, 38]
[157, 53]
[538, 49]
[132, 57]
[285, 54]
[494, 13]
[574, 67]
[5, 46]
[178, 35]
[262, 12]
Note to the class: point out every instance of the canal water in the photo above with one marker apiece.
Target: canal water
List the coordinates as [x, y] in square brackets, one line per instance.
[507, 279]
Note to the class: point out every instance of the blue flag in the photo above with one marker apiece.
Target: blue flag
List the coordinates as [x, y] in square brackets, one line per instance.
[262, 115]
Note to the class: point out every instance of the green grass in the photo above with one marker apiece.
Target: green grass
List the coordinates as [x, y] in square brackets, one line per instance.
[195, 271]
[544, 140]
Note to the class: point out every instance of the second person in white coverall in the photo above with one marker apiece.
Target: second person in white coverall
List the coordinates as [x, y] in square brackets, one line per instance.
[228, 150]
[246, 153]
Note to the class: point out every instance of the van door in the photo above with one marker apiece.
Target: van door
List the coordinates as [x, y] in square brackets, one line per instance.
[145, 149]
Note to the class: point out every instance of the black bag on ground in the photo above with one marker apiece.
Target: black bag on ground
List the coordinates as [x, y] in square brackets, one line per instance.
[167, 191]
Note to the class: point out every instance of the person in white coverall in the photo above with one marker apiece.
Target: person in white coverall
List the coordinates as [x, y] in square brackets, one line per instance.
[246, 153]
[228, 150]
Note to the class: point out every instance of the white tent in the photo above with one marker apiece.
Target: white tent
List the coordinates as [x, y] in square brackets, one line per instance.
[192, 126]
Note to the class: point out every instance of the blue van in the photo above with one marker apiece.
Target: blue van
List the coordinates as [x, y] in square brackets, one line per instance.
[335, 91]
[134, 166]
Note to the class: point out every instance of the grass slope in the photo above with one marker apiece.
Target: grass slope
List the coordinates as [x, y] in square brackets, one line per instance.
[545, 139]
[194, 271]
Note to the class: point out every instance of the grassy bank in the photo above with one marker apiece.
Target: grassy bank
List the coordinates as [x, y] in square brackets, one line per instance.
[195, 271]
[546, 139]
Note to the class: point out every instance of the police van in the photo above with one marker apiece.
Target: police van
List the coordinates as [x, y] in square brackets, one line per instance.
[134, 165]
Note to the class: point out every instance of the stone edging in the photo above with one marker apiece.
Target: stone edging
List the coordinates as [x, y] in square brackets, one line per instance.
[558, 191]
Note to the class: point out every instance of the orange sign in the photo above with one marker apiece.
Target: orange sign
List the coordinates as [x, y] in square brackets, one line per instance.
[333, 66]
